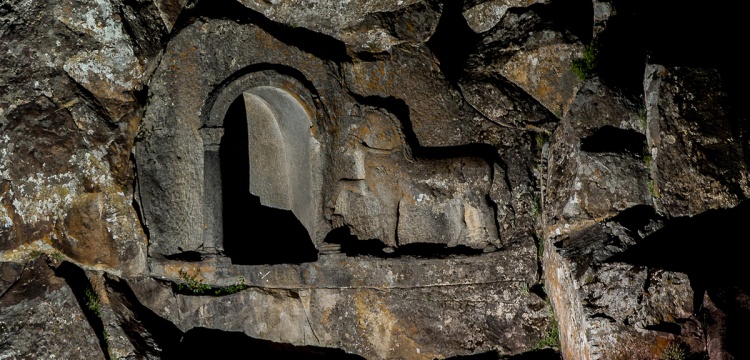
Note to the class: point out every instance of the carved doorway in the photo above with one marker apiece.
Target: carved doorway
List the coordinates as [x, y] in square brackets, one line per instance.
[262, 202]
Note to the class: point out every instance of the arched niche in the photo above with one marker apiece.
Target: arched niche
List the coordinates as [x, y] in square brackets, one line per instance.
[261, 172]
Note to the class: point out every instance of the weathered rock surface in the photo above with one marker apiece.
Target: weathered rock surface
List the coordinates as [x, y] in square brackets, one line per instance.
[698, 162]
[68, 117]
[379, 179]
[485, 15]
[613, 310]
[597, 166]
[41, 317]
[372, 26]
[378, 308]
[436, 111]
[528, 51]
[609, 292]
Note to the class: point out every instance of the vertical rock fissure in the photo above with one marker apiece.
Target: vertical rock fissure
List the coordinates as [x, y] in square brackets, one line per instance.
[87, 299]
[150, 334]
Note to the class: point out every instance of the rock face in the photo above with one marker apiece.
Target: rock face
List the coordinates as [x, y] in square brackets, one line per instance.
[412, 179]
[693, 142]
[41, 317]
[378, 308]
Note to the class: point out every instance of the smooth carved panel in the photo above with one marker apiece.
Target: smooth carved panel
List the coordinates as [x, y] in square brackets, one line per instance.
[281, 149]
[269, 173]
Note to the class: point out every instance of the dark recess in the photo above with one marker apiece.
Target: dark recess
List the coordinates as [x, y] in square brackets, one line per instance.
[351, 246]
[622, 49]
[609, 139]
[667, 327]
[600, 315]
[141, 95]
[637, 217]
[706, 247]
[254, 234]
[202, 343]
[539, 290]
[453, 41]
[574, 16]
[187, 256]
[136, 205]
[674, 33]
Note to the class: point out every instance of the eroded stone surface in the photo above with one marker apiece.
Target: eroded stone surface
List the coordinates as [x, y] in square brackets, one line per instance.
[379, 308]
[68, 117]
[697, 158]
[436, 111]
[485, 15]
[41, 318]
[597, 164]
[528, 51]
[361, 24]
[420, 148]
[613, 310]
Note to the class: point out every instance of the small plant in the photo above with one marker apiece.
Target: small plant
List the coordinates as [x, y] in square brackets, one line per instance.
[92, 302]
[35, 254]
[534, 206]
[585, 67]
[192, 283]
[231, 289]
[58, 256]
[196, 286]
[541, 139]
[523, 288]
[539, 245]
[674, 351]
[648, 161]
[652, 188]
[552, 337]
[642, 118]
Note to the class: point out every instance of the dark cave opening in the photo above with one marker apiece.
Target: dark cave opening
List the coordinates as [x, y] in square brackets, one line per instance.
[609, 139]
[205, 343]
[637, 217]
[186, 256]
[254, 234]
[667, 327]
[621, 59]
